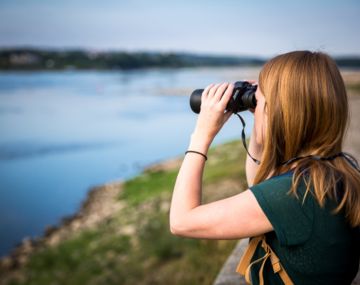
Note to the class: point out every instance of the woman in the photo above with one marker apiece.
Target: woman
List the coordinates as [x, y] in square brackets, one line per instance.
[304, 196]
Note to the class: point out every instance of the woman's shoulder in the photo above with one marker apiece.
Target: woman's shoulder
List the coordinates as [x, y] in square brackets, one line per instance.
[280, 177]
[294, 216]
[290, 215]
[305, 232]
[280, 183]
[280, 186]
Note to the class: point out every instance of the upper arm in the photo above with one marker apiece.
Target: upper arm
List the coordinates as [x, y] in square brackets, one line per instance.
[235, 217]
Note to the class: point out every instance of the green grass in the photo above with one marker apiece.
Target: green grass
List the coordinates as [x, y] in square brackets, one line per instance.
[355, 87]
[76, 261]
[148, 253]
[225, 162]
[147, 185]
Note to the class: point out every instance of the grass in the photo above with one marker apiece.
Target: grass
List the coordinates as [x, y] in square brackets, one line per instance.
[135, 246]
[147, 185]
[355, 87]
[226, 162]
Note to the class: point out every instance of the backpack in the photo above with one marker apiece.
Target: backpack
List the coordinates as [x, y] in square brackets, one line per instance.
[245, 264]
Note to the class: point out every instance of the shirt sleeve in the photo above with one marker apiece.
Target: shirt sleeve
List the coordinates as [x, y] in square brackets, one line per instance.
[290, 216]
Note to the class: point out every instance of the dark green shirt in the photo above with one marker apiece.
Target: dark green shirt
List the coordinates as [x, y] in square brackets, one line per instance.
[313, 245]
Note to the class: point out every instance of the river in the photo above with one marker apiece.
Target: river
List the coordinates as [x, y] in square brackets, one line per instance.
[67, 131]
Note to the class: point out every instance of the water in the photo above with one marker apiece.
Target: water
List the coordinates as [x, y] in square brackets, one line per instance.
[65, 132]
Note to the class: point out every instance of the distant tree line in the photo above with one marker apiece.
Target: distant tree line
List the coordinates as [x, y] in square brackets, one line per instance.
[33, 59]
[38, 59]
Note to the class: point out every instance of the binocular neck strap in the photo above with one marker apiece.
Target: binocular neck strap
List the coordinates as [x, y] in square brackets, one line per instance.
[243, 138]
[348, 157]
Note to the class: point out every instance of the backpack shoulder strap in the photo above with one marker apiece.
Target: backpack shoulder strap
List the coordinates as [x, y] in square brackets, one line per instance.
[245, 264]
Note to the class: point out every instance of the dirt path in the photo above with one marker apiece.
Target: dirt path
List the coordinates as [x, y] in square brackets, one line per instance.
[352, 141]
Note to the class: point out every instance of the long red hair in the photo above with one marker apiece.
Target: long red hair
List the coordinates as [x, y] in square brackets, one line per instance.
[307, 111]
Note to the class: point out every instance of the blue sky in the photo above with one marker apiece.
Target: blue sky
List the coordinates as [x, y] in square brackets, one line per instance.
[256, 27]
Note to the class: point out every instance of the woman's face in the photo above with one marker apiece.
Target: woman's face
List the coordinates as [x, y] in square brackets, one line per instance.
[260, 117]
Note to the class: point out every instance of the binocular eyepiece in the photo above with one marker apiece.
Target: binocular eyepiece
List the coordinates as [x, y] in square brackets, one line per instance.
[242, 99]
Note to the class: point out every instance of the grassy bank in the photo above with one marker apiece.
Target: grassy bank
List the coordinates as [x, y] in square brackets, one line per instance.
[134, 245]
[354, 87]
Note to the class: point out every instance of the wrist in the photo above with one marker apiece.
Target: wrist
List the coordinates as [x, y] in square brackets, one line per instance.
[200, 143]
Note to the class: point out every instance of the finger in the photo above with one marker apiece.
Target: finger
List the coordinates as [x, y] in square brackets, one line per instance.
[213, 90]
[227, 95]
[220, 91]
[205, 93]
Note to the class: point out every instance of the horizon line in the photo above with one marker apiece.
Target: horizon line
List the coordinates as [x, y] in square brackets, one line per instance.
[160, 51]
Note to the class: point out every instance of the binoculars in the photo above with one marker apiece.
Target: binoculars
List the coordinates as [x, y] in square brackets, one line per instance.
[242, 99]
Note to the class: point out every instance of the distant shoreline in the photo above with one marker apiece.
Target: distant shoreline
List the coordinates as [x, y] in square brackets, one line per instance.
[38, 59]
[31, 59]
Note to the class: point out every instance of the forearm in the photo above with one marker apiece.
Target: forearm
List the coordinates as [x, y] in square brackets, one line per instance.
[188, 186]
[255, 150]
[187, 189]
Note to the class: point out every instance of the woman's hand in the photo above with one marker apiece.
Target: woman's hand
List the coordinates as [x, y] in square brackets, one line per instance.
[213, 116]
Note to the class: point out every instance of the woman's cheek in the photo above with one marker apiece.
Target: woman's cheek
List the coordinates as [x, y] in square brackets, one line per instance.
[258, 128]
[263, 130]
[259, 137]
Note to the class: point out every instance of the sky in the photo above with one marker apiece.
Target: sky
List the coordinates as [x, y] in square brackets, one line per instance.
[256, 28]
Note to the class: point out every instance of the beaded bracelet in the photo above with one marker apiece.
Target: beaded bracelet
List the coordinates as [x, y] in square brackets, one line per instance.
[193, 151]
